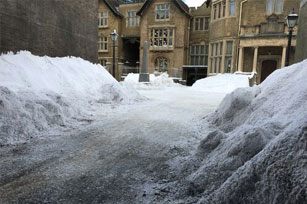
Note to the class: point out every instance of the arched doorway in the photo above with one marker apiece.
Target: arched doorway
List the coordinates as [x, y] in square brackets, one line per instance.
[267, 68]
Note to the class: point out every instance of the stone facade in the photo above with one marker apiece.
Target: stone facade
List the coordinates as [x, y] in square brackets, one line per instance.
[257, 33]
[241, 36]
[174, 55]
[113, 22]
[53, 27]
[301, 50]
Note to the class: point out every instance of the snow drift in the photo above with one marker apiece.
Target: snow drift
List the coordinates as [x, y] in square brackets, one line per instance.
[222, 83]
[41, 93]
[156, 82]
[257, 152]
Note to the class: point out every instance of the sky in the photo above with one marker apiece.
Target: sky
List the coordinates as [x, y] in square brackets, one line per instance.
[193, 3]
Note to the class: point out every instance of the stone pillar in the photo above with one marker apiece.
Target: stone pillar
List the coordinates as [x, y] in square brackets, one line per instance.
[144, 76]
[283, 57]
[227, 9]
[223, 56]
[120, 66]
[240, 64]
[255, 60]
[209, 60]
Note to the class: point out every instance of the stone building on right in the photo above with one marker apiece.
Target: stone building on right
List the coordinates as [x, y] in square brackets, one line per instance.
[250, 36]
[301, 52]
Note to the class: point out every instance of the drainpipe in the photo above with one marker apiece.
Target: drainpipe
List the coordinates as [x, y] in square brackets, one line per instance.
[240, 22]
[188, 50]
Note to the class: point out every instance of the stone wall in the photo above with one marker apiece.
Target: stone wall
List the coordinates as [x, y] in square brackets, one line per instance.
[301, 49]
[50, 27]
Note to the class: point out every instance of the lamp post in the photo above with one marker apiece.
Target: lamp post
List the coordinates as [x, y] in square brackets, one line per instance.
[291, 20]
[114, 37]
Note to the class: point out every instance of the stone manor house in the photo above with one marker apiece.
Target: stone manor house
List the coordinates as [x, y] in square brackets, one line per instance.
[228, 36]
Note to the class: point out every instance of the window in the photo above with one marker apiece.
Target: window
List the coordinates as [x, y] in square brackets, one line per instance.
[103, 43]
[232, 7]
[103, 19]
[103, 62]
[207, 22]
[216, 57]
[219, 10]
[132, 19]
[199, 55]
[274, 6]
[162, 37]
[228, 57]
[201, 23]
[162, 11]
[214, 11]
[161, 64]
[224, 8]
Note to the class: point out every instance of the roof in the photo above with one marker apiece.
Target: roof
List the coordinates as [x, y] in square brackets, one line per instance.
[114, 6]
[181, 5]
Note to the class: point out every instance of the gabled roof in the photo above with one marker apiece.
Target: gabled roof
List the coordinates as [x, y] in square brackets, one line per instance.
[114, 6]
[181, 5]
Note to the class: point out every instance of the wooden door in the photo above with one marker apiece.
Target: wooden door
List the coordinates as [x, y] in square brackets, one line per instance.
[268, 66]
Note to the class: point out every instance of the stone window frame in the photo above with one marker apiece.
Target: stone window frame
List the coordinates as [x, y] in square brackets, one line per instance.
[194, 54]
[135, 18]
[103, 43]
[164, 61]
[170, 39]
[103, 19]
[218, 10]
[164, 10]
[216, 56]
[103, 62]
[274, 7]
[206, 23]
[229, 56]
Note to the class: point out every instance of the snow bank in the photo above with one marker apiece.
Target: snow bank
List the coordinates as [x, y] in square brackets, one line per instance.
[156, 82]
[222, 83]
[41, 93]
[257, 152]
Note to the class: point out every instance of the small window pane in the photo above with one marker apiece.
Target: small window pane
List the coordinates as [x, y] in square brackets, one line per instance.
[232, 7]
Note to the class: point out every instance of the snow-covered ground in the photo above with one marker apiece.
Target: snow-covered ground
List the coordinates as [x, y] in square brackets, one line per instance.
[164, 143]
[40, 94]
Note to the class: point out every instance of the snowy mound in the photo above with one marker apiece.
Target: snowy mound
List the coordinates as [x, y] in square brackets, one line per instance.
[222, 83]
[40, 93]
[258, 151]
[156, 82]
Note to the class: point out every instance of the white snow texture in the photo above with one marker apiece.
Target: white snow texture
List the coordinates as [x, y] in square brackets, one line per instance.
[222, 83]
[38, 94]
[159, 82]
[257, 152]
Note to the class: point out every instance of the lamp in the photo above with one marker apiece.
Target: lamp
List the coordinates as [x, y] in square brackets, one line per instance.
[291, 20]
[114, 37]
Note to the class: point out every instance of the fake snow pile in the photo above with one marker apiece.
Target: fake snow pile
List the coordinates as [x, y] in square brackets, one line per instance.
[41, 93]
[156, 82]
[222, 83]
[258, 150]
